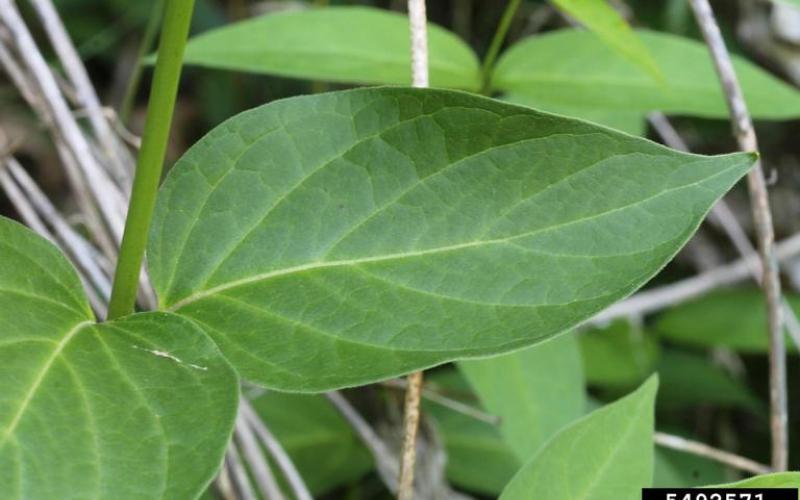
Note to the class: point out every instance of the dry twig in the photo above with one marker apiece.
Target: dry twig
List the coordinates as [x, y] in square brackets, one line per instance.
[277, 452]
[697, 448]
[419, 78]
[385, 461]
[759, 199]
[450, 403]
[656, 299]
[259, 467]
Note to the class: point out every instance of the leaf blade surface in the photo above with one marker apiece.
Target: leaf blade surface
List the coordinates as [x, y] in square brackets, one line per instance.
[313, 235]
[593, 77]
[339, 44]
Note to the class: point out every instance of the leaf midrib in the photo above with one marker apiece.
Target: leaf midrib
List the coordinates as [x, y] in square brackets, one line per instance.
[39, 379]
[403, 255]
[618, 445]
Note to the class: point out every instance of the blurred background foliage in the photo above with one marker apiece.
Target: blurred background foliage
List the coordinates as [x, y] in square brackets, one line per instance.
[710, 354]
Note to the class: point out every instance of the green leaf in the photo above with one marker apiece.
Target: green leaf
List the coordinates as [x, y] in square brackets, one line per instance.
[731, 318]
[522, 390]
[605, 22]
[340, 44]
[619, 355]
[607, 455]
[634, 122]
[337, 239]
[689, 379]
[568, 69]
[775, 480]
[319, 441]
[141, 407]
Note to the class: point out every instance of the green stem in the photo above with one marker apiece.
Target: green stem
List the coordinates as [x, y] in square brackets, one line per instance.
[497, 42]
[145, 45]
[174, 31]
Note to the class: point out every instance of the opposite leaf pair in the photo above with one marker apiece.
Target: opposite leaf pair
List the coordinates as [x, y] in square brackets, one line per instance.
[327, 241]
[566, 71]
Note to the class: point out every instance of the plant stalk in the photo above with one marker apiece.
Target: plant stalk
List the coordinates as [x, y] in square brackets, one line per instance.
[174, 31]
[417, 19]
[497, 42]
[759, 202]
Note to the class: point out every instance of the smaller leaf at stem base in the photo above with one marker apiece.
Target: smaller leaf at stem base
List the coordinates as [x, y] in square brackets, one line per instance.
[140, 407]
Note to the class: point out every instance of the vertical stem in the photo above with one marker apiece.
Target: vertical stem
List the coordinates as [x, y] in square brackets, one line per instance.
[497, 42]
[419, 78]
[419, 42]
[759, 202]
[408, 457]
[177, 17]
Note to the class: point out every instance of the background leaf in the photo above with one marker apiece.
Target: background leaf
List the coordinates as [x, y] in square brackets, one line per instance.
[479, 459]
[568, 69]
[138, 407]
[314, 235]
[319, 441]
[730, 318]
[605, 22]
[340, 44]
[535, 391]
[690, 379]
[620, 355]
[608, 454]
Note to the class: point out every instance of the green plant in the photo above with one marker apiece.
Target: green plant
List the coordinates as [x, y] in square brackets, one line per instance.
[333, 240]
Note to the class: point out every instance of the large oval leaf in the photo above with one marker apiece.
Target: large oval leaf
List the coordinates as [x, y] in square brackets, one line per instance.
[568, 69]
[341, 44]
[337, 239]
[607, 455]
[136, 408]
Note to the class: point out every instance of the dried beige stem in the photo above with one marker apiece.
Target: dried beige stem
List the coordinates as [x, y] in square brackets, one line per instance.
[419, 78]
[759, 200]
[704, 450]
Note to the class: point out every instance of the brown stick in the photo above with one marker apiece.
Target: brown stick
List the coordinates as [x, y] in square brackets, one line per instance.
[410, 426]
[703, 450]
[759, 200]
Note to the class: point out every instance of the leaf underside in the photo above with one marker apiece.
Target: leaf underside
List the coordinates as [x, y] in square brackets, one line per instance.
[141, 407]
[337, 239]
[521, 390]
